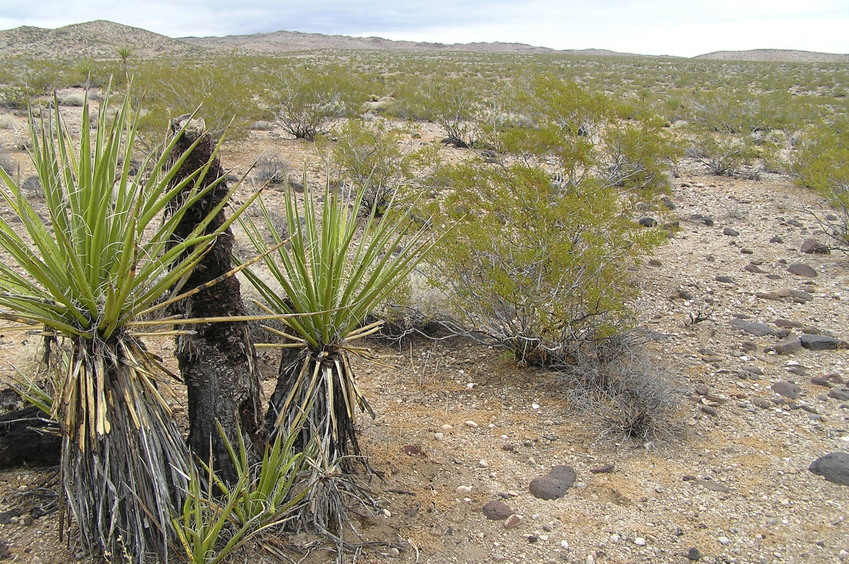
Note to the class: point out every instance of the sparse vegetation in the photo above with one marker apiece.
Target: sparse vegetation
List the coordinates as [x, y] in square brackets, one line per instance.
[558, 154]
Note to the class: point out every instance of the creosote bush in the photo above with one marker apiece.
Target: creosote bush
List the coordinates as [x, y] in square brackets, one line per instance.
[822, 164]
[370, 156]
[533, 266]
[307, 101]
[726, 155]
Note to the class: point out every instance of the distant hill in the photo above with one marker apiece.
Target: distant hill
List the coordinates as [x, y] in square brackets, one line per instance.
[101, 40]
[284, 41]
[776, 55]
[94, 40]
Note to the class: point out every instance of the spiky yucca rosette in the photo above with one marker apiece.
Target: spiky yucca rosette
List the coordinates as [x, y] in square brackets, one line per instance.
[85, 270]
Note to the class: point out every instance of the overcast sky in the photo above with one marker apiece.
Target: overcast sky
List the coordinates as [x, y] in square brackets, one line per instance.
[651, 27]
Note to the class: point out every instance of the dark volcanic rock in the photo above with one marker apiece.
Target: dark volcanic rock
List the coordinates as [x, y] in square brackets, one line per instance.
[554, 484]
[789, 345]
[803, 270]
[821, 342]
[786, 389]
[834, 467]
[813, 247]
[752, 327]
[497, 510]
[730, 231]
[841, 394]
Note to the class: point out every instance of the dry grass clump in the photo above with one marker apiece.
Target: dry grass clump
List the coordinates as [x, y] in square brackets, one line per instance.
[626, 394]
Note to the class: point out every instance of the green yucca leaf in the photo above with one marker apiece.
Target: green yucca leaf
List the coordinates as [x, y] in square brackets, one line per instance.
[99, 253]
[335, 264]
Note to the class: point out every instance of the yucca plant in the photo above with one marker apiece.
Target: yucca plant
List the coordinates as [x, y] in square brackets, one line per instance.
[337, 267]
[97, 258]
[264, 497]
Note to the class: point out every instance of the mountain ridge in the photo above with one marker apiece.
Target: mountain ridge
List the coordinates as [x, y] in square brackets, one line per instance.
[101, 39]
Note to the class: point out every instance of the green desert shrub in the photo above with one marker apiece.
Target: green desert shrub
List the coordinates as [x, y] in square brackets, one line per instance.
[822, 164]
[726, 155]
[637, 158]
[308, 101]
[371, 156]
[223, 101]
[534, 266]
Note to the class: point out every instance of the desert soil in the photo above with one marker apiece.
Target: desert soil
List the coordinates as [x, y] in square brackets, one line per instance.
[459, 425]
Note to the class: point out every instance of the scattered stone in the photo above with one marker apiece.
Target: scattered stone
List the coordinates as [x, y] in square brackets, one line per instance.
[513, 521]
[730, 231]
[713, 486]
[708, 410]
[752, 327]
[813, 247]
[821, 381]
[776, 239]
[702, 219]
[802, 270]
[471, 424]
[701, 389]
[751, 267]
[724, 279]
[554, 484]
[797, 369]
[497, 510]
[684, 294]
[640, 541]
[789, 345]
[834, 378]
[834, 467]
[821, 342]
[786, 323]
[753, 370]
[761, 403]
[603, 469]
[648, 221]
[655, 262]
[694, 553]
[786, 389]
[840, 394]
[745, 251]
[412, 450]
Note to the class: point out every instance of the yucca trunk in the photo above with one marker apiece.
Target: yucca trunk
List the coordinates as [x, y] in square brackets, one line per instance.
[124, 462]
[316, 392]
[218, 360]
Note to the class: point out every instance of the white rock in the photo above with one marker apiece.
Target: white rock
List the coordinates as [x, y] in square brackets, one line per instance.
[471, 424]
[464, 490]
[640, 541]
